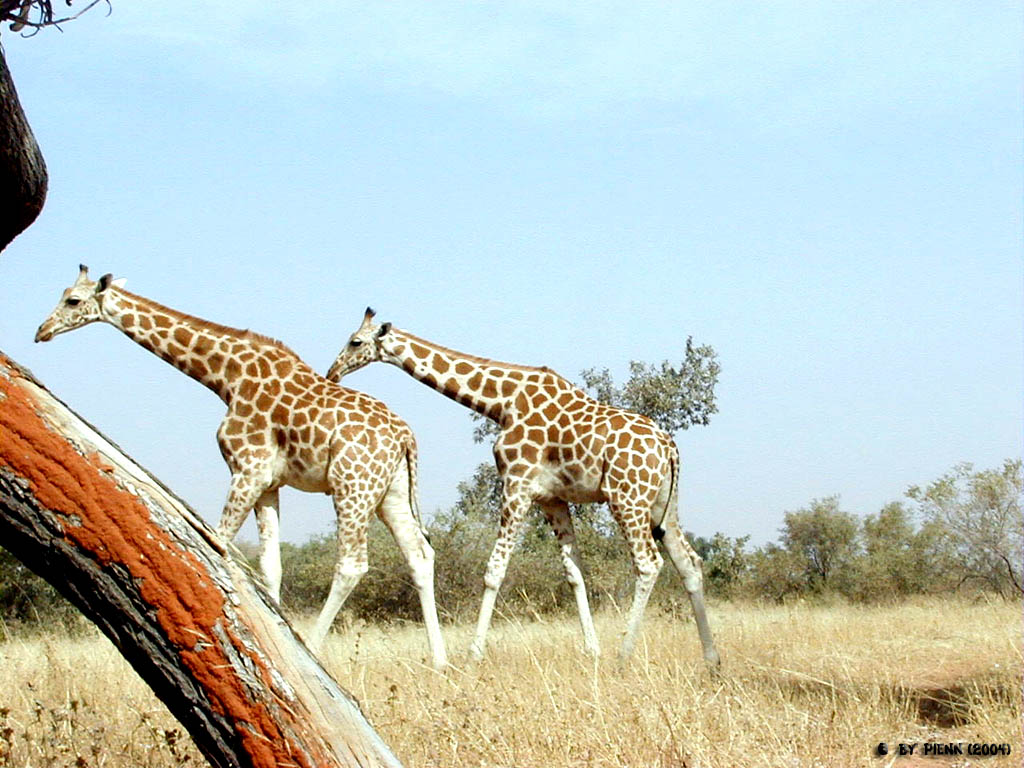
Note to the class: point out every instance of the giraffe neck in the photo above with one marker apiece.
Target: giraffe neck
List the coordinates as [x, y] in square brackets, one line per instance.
[486, 386]
[214, 355]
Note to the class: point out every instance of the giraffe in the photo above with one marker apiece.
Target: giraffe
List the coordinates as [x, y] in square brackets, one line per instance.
[285, 425]
[556, 446]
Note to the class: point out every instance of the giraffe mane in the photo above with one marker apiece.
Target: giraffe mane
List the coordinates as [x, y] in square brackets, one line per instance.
[217, 328]
[484, 360]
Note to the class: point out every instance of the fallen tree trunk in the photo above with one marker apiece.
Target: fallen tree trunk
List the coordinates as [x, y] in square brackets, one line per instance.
[141, 564]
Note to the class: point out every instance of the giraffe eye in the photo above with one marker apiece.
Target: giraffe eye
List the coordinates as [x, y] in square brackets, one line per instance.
[355, 343]
[73, 302]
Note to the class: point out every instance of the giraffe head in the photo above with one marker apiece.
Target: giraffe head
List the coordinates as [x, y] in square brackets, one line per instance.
[365, 346]
[79, 305]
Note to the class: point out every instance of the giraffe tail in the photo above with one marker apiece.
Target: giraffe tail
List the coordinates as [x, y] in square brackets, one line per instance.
[672, 505]
[412, 464]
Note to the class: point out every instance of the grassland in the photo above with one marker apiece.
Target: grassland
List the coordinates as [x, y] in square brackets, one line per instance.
[801, 685]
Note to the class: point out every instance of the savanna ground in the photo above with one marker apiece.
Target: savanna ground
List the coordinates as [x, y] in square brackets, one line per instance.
[801, 685]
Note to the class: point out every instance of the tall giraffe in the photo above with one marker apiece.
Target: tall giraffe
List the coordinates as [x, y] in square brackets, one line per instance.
[285, 425]
[556, 446]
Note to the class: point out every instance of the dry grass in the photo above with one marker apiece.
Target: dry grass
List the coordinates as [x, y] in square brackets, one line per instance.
[800, 686]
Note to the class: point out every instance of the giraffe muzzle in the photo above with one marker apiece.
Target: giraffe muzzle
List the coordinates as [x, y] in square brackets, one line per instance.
[335, 374]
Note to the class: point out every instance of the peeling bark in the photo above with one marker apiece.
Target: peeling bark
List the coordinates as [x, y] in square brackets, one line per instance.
[147, 570]
[23, 178]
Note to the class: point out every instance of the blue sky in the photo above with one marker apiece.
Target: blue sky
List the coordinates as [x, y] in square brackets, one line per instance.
[828, 194]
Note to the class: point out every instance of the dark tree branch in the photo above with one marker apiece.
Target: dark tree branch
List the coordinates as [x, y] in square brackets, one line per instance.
[23, 178]
[1012, 575]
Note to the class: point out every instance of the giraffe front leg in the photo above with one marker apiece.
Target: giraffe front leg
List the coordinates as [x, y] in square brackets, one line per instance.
[513, 515]
[558, 516]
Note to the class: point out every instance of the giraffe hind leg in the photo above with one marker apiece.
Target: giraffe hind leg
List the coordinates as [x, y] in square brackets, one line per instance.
[396, 512]
[268, 524]
[350, 567]
[647, 563]
[688, 563]
[513, 514]
[248, 492]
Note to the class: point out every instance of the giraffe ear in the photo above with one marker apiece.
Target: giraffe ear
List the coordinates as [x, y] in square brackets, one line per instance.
[119, 282]
[104, 282]
[384, 329]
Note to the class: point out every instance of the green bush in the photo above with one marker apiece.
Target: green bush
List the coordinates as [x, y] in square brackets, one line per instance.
[968, 537]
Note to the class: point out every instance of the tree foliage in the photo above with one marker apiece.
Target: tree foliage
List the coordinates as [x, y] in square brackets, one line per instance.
[823, 538]
[900, 559]
[978, 514]
[673, 396]
[775, 574]
[725, 563]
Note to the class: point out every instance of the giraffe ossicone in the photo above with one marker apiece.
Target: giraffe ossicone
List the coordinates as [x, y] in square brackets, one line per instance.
[557, 446]
[285, 425]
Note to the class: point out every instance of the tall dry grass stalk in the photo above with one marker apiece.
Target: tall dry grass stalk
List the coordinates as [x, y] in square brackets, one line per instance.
[801, 686]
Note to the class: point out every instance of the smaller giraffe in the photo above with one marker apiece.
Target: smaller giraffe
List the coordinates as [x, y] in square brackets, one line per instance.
[285, 425]
[557, 446]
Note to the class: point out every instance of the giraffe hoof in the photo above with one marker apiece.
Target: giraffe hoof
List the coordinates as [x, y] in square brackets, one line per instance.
[713, 662]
